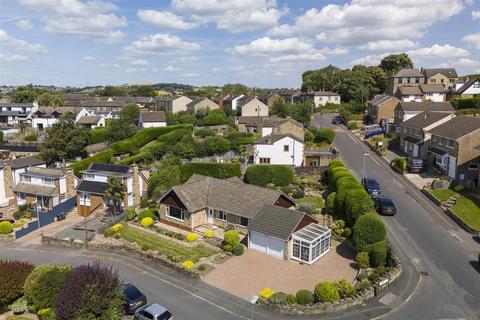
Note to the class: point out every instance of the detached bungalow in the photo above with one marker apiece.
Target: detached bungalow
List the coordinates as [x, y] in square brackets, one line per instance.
[201, 103]
[92, 122]
[152, 119]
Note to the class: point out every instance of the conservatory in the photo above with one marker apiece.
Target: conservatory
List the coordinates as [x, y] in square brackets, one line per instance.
[311, 243]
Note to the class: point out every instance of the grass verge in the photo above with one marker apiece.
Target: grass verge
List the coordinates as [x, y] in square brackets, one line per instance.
[442, 195]
[468, 211]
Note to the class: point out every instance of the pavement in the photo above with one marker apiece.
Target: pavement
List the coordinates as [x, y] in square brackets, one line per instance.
[431, 246]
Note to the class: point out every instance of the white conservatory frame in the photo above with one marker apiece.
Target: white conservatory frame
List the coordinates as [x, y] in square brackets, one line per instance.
[311, 243]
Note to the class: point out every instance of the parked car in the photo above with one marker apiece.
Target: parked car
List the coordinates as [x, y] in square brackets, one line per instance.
[385, 206]
[371, 186]
[370, 127]
[336, 120]
[134, 298]
[373, 133]
[153, 311]
[415, 165]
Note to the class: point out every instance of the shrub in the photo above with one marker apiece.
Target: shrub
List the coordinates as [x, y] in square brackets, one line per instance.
[31, 137]
[101, 157]
[191, 237]
[368, 229]
[173, 258]
[278, 298]
[22, 214]
[130, 214]
[304, 296]
[336, 163]
[307, 208]
[20, 306]
[270, 186]
[291, 299]
[362, 260]
[326, 291]
[89, 291]
[344, 288]
[352, 125]
[46, 314]
[44, 283]
[146, 222]
[117, 227]
[266, 293]
[347, 232]
[286, 189]
[357, 203]
[109, 232]
[238, 249]
[228, 247]
[338, 227]
[179, 236]
[216, 170]
[209, 234]
[374, 277]
[325, 135]
[330, 202]
[202, 267]
[149, 213]
[263, 174]
[6, 227]
[400, 164]
[298, 194]
[459, 188]
[12, 285]
[189, 264]
[231, 237]
[377, 253]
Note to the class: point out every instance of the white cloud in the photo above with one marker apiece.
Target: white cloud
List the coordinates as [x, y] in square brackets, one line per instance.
[24, 24]
[299, 57]
[7, 40]
[171, 69]
[266, 45]
[135, 70]
[236, 68]
[160, 43]
[190, 75]
[370, 60]
[467, 62]
[475, 15]
[473, 39]
[232, 15]
[184, 59]
[12, 58]
[388, 45]
[139, 62]
[108, 65]
[165, 19]
[90, 19]
[89, 58]
[439, 51]
[360, 21]
[336, 50]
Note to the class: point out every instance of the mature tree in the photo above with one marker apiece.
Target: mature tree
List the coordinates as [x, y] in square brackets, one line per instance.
[48, 98]
[395, 62]
[236, 88]
[280, 109]
[166, 175]
[113, 91]
[215, 117]
[115, 192]
[24, 94]
[64, 140]
[328, 79]
[302, 112]
[216, 145]
[118, 129]
[130, 112]
[142, 91]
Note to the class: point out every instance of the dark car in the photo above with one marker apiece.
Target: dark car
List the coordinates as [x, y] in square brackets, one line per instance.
[336, 120]
[385, 206]
[153, 311]
[371, 186]
[415, 165]
[373, 133]
[134, 298]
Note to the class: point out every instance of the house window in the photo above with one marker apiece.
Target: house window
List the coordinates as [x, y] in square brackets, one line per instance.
[63, 196]
[21, 196]
[175, 213]
[433, 80]
[48, 181]
[473, 166]
[26, 178]
[221, 215]
[286, 148]
[417, 80]
[264, 160]
[84, 199]
[450, 143]
[476, 85]
[242, 221]
[89, 176]
[418, 132]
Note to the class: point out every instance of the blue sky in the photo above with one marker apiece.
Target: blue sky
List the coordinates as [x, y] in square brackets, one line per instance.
[263, 43]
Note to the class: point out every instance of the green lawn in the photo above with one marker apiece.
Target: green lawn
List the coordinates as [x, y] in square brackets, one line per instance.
[316, 202]
[442, 195]
[17, 318]
[468, 211]
[165, 246]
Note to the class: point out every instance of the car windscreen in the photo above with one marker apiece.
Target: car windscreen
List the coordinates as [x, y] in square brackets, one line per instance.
[386, 202]
[131, 292]
[164, 316]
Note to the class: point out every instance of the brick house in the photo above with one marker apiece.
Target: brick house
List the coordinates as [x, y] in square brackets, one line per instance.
[444, 76]
[404, 77]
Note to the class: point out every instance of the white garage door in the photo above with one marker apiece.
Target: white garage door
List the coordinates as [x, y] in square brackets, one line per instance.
[275, 248]
[258, 241]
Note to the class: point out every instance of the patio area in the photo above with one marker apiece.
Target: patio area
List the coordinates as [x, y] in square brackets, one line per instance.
[246, 275]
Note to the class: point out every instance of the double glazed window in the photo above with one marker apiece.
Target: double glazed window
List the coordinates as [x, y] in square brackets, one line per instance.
[221, 215]
[242, 221]
[176, 213]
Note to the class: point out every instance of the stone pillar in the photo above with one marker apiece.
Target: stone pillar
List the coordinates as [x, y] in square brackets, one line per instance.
[70, 182]
[136, 184]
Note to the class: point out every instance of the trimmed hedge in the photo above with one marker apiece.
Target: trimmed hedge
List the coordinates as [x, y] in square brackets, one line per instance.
[13, 274]
[377, 253]
[216, 170]
[6, 227]
[278, 298]
[263, 174]
[102, 157]
[304, 296]
[400, 164]
[357, 203]
[149, 213]
[369, 228]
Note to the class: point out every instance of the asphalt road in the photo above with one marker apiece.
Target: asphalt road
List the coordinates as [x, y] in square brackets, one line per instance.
[424, 236]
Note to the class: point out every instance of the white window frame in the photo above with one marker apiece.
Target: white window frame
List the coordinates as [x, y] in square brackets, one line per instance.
[84, 198]
[89, 176]
[183, 213]
[221, 215]
[48, 181]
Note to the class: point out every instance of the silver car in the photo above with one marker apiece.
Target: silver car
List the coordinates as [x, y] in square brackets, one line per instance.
[153, 311]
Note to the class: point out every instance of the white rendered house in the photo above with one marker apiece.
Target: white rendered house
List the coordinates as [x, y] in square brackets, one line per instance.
[284, 149]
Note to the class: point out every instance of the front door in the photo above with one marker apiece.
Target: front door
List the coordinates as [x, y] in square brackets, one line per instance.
[210, 216]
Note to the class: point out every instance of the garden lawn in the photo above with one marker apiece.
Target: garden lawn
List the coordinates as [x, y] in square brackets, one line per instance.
[316, 202]
[17, 318]
[442, 195]
[164, 246]
[468, 211]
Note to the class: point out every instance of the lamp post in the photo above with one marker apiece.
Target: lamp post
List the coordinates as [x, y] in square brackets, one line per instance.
[365, 155]
[253, 301]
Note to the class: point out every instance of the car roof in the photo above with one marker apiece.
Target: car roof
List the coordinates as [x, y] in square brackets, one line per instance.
[155, 309]
[385, 200]
[370, 179]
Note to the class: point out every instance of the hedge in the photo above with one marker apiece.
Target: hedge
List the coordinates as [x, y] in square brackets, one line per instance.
[216, 170]
[97, 135]
[357, 203]
[466, 103]
[13, 274]
[377, 253]
[400, 164]
[263, 174]
[133, 159]
[102, 157]
[368, 229]
[150, 213]
[304, 296]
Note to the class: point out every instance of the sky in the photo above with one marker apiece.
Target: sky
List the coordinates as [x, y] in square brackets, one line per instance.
[262, 43]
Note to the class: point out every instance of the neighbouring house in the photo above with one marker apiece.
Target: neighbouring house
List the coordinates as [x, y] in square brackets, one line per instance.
[381, 110]
[407, 110]
[44, 188]
[114, 104]
[289, 95]
[201, 103]
[433, 92]
[288, 234]
[93, 184]
[152, 119]
[409, 93]
[403, 77]
[173, 104]
[270, 124]
[91, 122]
[270, 97]
[285, 149]
[45, 117]
[454, 149]
[16, 113]
[230, 104]
[443, 76]
[469, 89]
[414, 135]
[220, 100]
[321, 98]
[251, 106]
[210, 201]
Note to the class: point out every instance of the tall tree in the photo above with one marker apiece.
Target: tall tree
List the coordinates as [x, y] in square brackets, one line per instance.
[280, 109]
[48, 98]
[130, 112]
[115, 192]
[395, 62]
[118, 129]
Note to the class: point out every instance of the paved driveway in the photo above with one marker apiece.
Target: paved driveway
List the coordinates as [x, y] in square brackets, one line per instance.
[247, 275]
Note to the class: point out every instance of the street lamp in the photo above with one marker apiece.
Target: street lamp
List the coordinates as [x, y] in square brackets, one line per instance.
[253, 301]
[365, 155]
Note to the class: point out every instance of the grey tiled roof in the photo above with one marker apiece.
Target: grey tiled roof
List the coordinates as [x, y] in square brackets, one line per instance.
[26, 162]
[432, 87]
[94, 187]
[88, 120]
[325, 93]
[244, 100]
[32, 188]
[194, 102]
[457, 127]
[467, 85]
[153, 116]
[276, 221]
[424, 119]
[408, 73]
[426, 106]
[447, 72]
[408, 90]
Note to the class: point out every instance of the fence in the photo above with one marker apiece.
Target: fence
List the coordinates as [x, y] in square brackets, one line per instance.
[47, 217]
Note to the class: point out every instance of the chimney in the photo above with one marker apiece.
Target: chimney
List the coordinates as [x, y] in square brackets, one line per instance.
[135, 184]
[70, 182]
